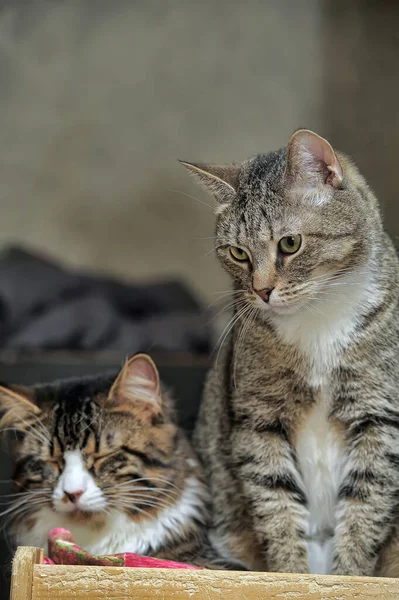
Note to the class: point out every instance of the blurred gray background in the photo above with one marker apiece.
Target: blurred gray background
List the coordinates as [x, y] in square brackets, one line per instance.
[99, 99]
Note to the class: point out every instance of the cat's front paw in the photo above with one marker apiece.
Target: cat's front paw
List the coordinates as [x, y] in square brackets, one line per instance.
[352, 566]
[286, 560]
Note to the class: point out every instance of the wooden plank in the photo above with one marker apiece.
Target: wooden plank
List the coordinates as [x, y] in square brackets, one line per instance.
[23, 564]
[107, 583]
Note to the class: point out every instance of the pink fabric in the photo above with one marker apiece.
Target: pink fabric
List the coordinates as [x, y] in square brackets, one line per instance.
[135, 560]
[64, 551]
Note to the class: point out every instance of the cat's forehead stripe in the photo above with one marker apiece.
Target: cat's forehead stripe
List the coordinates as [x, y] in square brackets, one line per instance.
[73, 424]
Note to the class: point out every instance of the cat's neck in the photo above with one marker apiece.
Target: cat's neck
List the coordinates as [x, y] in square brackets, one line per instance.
[321, 330]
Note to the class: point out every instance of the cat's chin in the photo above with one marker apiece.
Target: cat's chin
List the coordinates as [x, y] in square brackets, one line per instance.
[282, 310]
[81, 516]
[86, 517]
[277, 310]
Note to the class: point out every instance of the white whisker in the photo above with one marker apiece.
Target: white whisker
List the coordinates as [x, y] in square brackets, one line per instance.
[209, 252]
[129, 502]
[27, 493]
[192, 197]
[163, 493]
[26, 503]
[232, 305]
[150, 479]
[241, 312]
[248, 320]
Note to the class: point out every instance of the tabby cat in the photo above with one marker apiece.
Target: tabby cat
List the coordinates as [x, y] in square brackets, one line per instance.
[299, 425]
[104, 458]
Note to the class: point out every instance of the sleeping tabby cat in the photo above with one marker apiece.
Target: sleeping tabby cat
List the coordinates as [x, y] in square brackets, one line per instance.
[299, 426]
[104, 458]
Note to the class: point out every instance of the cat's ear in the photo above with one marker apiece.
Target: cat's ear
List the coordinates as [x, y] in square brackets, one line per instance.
[312, 160]
[220, 180]
[17, 406]
[137, 387]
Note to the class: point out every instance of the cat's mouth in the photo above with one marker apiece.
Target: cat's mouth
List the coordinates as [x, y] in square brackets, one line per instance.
[77, 510]
[79, 515]
[278, 305]
[287, 309]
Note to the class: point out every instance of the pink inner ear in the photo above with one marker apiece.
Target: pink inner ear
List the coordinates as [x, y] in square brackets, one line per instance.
[143, 368]
[321, 151]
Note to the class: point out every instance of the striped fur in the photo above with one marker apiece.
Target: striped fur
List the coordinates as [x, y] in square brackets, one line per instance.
[104, 458]
[299, 425]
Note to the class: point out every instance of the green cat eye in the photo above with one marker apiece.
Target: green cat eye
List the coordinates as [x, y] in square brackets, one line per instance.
[290, 244]
[238, 254]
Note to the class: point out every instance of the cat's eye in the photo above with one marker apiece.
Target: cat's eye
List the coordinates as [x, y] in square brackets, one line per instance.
[238, 254]
[290, 244]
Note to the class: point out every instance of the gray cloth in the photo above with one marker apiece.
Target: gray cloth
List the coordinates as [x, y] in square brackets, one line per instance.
[44, 306]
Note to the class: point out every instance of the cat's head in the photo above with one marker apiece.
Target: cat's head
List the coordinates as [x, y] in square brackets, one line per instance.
[292, 225]
[89, 446]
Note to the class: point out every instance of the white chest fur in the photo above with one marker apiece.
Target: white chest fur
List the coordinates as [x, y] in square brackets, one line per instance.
[327, 326]
[321, 458]
[119, 533]
[320, 338]
[321, 334]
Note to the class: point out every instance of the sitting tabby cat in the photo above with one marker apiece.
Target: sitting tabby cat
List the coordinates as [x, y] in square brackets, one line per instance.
[299, 426]
[104, 458]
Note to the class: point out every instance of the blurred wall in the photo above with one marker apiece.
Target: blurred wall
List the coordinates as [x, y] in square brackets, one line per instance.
[361, 92]
[98, 99]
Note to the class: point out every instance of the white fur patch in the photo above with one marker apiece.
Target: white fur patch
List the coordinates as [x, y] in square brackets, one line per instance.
[321, 458]
[120, 533]
[321, 334]
[320, 556]
[323, 329]
[75, 478]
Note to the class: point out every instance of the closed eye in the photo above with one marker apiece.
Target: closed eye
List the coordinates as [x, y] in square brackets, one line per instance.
[146, 459]
[116, 460]
[35, 479]
[98, 456]
[127, 472]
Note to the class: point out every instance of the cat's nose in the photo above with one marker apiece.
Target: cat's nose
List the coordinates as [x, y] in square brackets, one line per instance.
[74, 496]
[264, 294]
